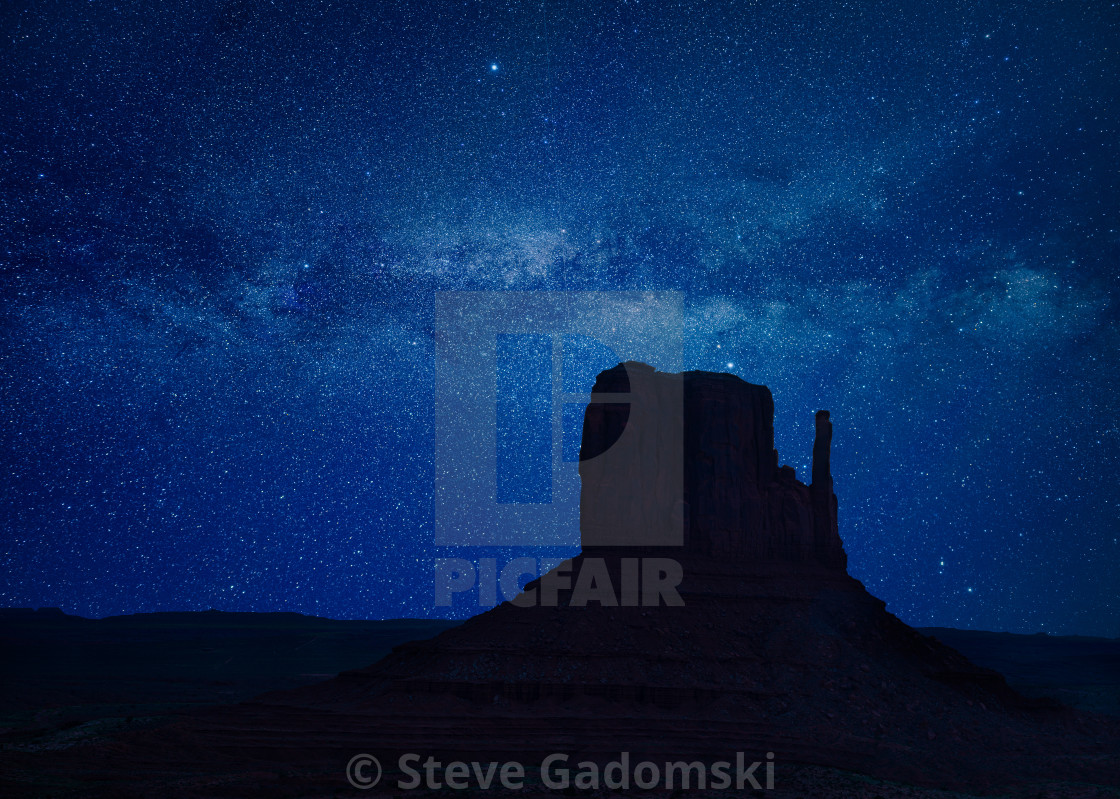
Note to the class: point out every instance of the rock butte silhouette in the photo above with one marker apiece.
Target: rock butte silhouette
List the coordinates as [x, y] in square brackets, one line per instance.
[775, 649]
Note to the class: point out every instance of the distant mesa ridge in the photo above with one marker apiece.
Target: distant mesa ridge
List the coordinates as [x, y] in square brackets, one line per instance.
[691, 456]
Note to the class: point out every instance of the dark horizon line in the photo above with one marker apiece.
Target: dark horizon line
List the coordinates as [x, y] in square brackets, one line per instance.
[49, 612]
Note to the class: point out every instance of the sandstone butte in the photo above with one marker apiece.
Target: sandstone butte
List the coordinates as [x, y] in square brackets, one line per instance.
[774, 649]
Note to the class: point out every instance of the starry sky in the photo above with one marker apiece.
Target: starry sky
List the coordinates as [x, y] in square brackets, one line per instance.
[223, 226]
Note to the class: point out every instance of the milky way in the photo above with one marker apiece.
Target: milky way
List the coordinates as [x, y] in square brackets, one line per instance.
[224, 226]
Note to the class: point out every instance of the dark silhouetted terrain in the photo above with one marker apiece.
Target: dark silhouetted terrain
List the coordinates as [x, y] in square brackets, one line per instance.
[1080, 671]
[70, 682]
[764, 644]
[66, 679]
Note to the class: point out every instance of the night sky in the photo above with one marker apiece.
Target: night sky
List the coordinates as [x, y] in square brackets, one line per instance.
[223, 227]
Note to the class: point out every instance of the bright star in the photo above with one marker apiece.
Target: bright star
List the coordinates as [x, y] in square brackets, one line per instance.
[493, 67]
